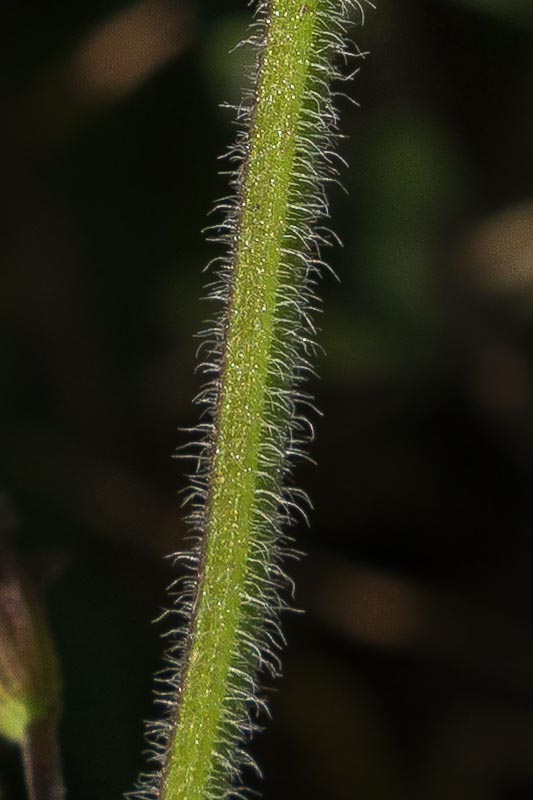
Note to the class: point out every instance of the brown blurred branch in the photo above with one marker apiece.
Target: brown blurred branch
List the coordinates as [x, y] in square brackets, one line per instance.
[110, 62]
[42, 768]
[106, 498]
[395, 613]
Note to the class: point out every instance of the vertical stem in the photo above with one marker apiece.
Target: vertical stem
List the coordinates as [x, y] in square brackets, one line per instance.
[234, 480]
[42, 766]
[259, 357]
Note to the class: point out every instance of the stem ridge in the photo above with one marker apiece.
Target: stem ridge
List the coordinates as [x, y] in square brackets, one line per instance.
[258, 353]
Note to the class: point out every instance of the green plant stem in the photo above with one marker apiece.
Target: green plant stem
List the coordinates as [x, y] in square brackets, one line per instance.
[228, 635]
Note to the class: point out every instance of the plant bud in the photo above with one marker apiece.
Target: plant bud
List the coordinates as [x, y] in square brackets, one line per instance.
[29, 677]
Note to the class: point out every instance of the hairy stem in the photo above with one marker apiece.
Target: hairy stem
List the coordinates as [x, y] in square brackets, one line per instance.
[258, 353]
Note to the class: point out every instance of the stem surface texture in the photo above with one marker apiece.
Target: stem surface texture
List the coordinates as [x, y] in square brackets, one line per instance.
[257, 353]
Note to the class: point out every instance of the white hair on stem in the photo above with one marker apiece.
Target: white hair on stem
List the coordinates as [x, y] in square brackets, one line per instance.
[281, 428]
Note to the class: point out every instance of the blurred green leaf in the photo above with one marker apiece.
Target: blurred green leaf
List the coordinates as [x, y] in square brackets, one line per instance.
[519, 12]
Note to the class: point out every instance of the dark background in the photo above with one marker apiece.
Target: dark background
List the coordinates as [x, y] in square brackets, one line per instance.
[411, 673]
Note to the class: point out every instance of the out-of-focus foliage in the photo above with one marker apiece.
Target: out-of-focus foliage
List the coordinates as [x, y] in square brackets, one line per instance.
[519, 12]
[411, 673]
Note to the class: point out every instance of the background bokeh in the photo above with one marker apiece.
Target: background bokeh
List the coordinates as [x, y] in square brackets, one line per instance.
[411, 673]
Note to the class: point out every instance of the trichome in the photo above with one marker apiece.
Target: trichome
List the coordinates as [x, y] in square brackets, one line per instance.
[257, 353]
